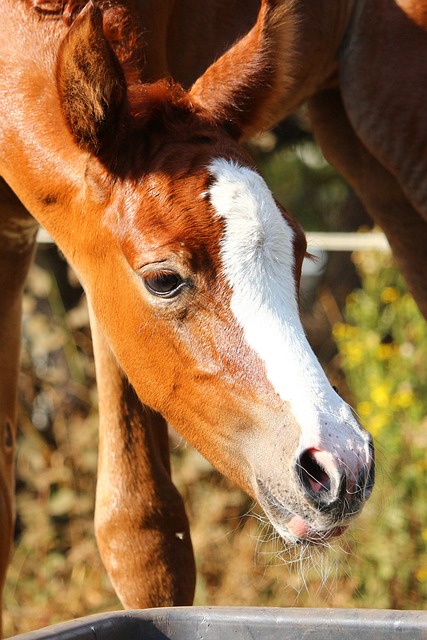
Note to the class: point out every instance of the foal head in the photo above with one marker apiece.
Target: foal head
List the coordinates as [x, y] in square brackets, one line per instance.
[193, 273]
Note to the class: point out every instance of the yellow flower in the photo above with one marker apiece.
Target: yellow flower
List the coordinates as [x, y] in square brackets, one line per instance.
[389, 294]
[385, 351]
[353, 352]
[421, 574]
[372, 339]
[343, 331]
[403, 398]
[377, 423]
[381, 395]
[364, 409]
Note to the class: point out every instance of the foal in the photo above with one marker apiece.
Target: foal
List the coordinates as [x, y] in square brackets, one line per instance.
[191, 271]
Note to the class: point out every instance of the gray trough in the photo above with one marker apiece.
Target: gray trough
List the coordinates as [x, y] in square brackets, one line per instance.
[241, 623]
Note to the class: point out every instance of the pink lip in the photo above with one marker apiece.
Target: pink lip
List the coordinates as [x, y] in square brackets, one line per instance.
[302, 530]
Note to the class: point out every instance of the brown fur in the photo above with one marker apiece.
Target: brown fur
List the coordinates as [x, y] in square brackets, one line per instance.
[105, 140]
[125, 159]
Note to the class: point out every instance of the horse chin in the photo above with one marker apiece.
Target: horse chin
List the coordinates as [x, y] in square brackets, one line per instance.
[295, 529]
[298, 531]
[304, 532]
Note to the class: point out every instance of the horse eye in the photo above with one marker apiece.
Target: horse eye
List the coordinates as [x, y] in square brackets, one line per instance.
[165, 284]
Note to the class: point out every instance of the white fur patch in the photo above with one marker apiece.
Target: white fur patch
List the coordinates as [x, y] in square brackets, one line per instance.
[258, 262]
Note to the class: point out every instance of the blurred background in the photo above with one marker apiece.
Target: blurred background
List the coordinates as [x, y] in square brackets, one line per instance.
[372, 341]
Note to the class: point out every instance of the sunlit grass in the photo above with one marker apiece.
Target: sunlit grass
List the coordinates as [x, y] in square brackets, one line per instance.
[56, 573]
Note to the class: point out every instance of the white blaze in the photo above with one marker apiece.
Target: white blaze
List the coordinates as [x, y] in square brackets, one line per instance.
[258, 262]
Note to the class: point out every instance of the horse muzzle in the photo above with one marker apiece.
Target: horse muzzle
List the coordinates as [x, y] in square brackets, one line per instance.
[324, 494]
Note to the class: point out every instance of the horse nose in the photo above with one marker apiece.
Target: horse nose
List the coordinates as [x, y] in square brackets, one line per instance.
[329, 483]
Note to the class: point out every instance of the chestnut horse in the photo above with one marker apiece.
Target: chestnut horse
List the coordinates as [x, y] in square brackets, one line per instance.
[190, 267]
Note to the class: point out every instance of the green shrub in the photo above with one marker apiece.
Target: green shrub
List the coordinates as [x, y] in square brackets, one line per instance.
[383, 349]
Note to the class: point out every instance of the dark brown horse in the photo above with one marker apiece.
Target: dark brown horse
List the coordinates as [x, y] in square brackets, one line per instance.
[120, 124]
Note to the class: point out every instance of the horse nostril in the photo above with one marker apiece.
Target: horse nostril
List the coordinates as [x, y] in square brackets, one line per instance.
[312, 474]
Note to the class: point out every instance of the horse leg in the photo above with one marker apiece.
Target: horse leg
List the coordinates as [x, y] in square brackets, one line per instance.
[141, 526]
[380, 192]
[17, 234]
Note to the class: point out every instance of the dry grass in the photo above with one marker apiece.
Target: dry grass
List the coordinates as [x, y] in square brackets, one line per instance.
[56, 573]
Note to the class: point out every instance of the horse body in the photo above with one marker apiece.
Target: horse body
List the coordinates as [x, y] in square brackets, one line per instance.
[372, 126]
[190, 267]
[360, 67]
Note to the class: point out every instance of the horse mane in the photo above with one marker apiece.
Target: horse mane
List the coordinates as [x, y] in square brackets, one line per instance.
[161, 113]
[66, 9]
[160, 102]
[158, 111]
[119, 23]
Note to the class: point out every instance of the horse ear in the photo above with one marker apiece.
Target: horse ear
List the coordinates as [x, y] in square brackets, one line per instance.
[90, 81]
[242, 89]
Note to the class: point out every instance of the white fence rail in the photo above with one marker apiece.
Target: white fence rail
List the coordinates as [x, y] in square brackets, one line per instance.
[334, 241]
